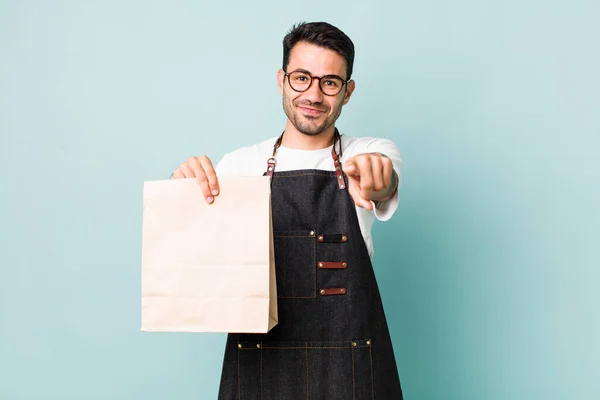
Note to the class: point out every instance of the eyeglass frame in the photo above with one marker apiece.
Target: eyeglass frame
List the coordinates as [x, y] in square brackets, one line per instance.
[312, 78]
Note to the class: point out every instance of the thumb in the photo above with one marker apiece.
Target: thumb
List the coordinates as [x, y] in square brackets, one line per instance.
[361, 202]
[354, 190]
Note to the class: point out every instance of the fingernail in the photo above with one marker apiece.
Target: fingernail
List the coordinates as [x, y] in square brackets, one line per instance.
[209, 199]
[215, 192]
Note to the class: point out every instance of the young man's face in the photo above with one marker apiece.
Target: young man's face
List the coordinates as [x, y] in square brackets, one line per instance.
[312, 111]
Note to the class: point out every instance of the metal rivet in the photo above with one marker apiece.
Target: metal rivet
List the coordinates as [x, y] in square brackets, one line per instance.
[270, 169]
[342, 290]
[322, 291]
[239, 345]
[258, 345]
[344, 264]
[339, 177]
[344, 238]
[312, 233]
[342, 187]
[368, 342]
[321, 238]
[353, 344]
[320, 265]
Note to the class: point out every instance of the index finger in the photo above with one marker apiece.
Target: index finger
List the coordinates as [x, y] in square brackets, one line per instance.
[211, 175]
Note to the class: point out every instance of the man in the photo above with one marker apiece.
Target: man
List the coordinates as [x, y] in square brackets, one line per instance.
[332, 340]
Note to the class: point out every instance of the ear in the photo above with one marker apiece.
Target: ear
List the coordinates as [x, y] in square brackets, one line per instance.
[350, 86]
[280, 77]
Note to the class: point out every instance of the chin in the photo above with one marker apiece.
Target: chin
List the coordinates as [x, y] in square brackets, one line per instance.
[311, 131]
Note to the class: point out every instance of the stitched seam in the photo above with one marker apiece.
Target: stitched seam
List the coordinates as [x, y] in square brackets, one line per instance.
[309, 174]
[307, 237]
[353, 379]
[261, 370]
[372, 383]
[305, 347]
[238, 376]
[315, 267]
[306, 350]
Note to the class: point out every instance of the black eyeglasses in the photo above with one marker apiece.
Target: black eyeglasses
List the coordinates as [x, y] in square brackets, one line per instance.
[301, 80]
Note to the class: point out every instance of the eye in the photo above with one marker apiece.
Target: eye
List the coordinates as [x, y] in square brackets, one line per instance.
[332, 83]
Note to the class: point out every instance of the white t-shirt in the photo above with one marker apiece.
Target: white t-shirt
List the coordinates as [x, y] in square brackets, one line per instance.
[252, 161]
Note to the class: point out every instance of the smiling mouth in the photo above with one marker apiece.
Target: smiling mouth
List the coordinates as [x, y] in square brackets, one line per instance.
[313, 112]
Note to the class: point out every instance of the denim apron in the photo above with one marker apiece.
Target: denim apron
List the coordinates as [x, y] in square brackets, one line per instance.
[332, 341]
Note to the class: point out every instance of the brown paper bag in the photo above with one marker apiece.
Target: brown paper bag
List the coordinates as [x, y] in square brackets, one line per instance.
[208, 267]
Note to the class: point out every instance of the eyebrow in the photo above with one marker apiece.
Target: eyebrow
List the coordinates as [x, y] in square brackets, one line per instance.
[324, 76]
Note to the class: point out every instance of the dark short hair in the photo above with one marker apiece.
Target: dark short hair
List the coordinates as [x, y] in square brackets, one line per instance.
[320, 34]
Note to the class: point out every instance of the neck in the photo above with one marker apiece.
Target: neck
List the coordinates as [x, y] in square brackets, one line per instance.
[294, 139]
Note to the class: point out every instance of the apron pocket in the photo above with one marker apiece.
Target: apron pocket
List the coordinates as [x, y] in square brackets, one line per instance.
[295, 264]
[339, 370]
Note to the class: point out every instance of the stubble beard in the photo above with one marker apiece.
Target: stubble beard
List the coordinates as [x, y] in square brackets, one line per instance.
[308, 128]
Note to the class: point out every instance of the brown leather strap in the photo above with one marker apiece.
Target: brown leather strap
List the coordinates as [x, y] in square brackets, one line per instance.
[332, 291]
[336, 160]
[332, 264]
[338, 169]
[271, 162]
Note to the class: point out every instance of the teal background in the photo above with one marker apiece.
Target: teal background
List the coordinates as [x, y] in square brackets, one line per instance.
[488, 271]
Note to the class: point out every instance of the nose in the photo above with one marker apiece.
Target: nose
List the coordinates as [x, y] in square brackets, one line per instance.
[314, 93]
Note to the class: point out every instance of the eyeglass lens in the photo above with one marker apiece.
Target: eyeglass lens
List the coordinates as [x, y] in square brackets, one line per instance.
[300, 81]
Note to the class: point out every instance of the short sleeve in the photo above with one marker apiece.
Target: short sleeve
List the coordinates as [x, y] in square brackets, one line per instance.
[225, 166]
